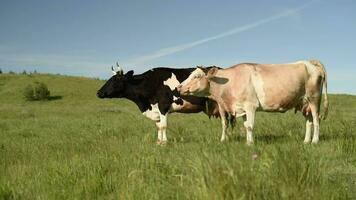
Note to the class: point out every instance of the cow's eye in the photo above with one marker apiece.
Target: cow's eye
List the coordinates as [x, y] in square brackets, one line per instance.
[197, 76]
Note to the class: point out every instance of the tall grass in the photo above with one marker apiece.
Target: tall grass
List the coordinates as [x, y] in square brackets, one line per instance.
[81, 147]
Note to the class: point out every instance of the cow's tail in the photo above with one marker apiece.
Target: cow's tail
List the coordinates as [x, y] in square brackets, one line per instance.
[322, 70]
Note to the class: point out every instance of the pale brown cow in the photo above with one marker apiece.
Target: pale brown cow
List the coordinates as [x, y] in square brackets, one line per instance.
[243, 89]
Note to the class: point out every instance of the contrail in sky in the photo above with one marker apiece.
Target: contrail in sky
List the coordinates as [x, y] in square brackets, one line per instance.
[174, 49]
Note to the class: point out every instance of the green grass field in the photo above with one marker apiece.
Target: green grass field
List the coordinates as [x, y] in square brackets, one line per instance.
[77, 146]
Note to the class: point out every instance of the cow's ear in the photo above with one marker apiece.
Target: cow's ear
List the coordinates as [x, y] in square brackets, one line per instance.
[212, 76]
[129, 74]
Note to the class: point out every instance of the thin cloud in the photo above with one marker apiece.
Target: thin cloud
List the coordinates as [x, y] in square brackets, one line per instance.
[54, 60]
[174, 49]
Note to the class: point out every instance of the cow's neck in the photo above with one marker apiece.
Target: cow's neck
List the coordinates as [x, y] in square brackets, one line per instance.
[133, 92]
[216, 92]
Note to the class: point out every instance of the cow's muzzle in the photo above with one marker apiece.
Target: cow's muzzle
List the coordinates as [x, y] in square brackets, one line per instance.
[100, 94]
[181, 90]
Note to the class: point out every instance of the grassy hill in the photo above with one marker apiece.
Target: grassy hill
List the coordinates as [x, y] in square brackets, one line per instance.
[76, 146]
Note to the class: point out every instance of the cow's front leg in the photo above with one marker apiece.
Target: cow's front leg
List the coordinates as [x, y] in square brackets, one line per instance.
[159, 133]
[223, 123]
[162, 129]
[164, 107]
[249, 120]
[224, 127]
[163, 122]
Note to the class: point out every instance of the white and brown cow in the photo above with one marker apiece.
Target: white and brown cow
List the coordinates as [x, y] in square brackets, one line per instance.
[243, 89]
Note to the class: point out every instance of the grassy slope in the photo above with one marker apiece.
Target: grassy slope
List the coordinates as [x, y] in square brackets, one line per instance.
[78, 146]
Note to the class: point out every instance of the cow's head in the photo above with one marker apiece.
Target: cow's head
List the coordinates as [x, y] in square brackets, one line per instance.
[116, 85]
[198, 82]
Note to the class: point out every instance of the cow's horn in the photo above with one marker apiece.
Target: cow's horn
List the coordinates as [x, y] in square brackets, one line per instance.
[119, 69]
[112, 70]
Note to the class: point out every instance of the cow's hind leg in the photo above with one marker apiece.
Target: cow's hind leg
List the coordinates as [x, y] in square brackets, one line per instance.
[224, 127]
[308, 128]
[315, 113]
[249, 120]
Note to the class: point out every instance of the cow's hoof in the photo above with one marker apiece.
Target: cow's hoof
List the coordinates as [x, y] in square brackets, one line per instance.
[249, 143]
[225, 139]
[254, 157]
[315, 141]
[159, 142]
[306, 141]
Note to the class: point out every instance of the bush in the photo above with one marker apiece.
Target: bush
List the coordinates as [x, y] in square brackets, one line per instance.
[38, 91]
[28, 93]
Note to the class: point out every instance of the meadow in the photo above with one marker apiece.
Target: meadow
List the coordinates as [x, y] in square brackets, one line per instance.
[76, 146]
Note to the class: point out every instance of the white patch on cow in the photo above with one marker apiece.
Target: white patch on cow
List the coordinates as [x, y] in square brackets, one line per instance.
[197, 73]
[171, 82]
[259, 88]
[175, 98]
[153, 113]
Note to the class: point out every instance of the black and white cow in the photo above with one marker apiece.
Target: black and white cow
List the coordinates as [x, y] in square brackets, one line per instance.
[155, 94]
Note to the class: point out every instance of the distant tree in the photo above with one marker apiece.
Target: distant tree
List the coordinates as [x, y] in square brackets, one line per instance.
[24, 72]
[11, 72]
[0, 71]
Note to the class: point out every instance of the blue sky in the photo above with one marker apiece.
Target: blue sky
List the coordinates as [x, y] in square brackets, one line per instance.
[86, 37]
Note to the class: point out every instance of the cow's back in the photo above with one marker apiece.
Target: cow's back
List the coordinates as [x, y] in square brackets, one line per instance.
[280, 87]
